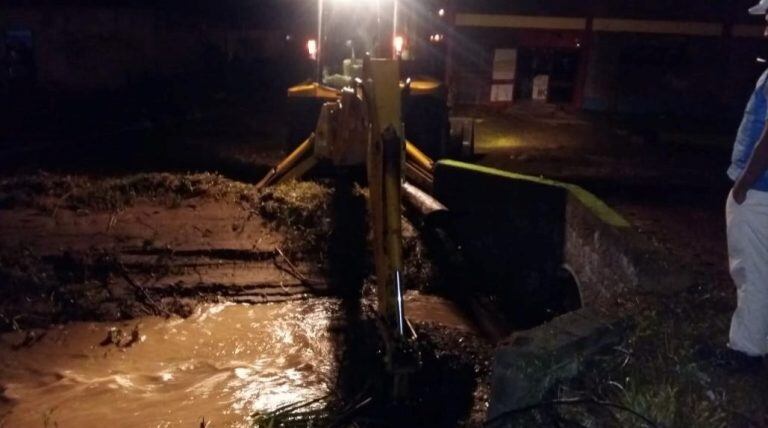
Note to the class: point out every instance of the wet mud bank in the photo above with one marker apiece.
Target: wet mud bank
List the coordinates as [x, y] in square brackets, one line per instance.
[77, 248]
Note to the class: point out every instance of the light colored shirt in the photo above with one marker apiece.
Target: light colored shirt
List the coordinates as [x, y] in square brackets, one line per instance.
[750, 131]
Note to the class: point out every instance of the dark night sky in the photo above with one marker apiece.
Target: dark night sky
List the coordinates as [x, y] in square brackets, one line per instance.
[261, 13]
[282, 13]
[692, 10]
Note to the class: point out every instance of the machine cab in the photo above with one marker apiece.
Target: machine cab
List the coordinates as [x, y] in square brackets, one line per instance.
[406, 30]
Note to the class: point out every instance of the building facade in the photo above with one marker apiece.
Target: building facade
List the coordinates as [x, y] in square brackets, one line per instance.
[644, 57]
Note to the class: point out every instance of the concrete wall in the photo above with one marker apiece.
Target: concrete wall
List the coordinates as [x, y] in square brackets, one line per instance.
[518, 230]
[507, 222]
[512, 234]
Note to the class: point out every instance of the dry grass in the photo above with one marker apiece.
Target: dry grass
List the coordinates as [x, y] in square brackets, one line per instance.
[658, 373]
[50, 192]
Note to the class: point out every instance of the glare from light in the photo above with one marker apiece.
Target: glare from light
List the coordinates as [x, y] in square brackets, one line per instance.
[441, 12]
[436, 37]
[349, 2]
[312, 48]
[399, 43]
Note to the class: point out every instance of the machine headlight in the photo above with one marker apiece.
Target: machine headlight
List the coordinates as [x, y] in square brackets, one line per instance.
[399, 44]
[312, 48]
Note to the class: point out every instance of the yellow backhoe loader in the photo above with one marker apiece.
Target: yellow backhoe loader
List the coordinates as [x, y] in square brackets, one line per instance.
[361, 117]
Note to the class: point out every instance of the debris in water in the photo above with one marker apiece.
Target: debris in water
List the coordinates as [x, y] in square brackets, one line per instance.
[30, 338]
[116, 336]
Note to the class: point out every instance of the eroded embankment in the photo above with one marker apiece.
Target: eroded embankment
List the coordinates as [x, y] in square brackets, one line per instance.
[75, 248]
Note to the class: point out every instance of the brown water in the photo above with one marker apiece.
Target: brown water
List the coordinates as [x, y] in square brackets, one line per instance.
[425, 308]
[222, 364]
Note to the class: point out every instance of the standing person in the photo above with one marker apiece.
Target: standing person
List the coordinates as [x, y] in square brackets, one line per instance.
[747, 228]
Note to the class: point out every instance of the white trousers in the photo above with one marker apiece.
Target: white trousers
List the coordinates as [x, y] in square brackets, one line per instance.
[747, 226]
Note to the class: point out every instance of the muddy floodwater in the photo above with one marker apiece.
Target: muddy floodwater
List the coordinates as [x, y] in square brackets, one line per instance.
[222, 364]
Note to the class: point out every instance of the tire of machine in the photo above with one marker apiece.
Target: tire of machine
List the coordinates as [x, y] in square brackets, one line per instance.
[303, 113]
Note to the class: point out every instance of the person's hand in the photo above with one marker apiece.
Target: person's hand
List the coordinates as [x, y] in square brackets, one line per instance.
[739, 193]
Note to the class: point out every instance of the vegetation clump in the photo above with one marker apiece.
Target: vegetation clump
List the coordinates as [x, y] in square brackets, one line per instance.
[316, 220]
[301, 210]
[657, 376]
[420, 270]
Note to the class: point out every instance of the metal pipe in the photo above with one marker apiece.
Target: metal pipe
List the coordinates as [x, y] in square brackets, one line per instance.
[289, 162]
[392, 188]
[395, 12]
[418, 157]
[319, 71]
[420, 178]
[399, 297]
[423, 202]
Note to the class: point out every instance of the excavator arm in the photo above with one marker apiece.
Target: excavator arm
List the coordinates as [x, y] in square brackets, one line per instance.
[363, 126]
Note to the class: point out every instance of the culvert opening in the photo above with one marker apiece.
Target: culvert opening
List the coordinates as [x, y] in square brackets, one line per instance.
[503, 296]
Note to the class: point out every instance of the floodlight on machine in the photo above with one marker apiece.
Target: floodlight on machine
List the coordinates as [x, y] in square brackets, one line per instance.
[312, 48]
[436, 38]
[398, 43]
[385, 11]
